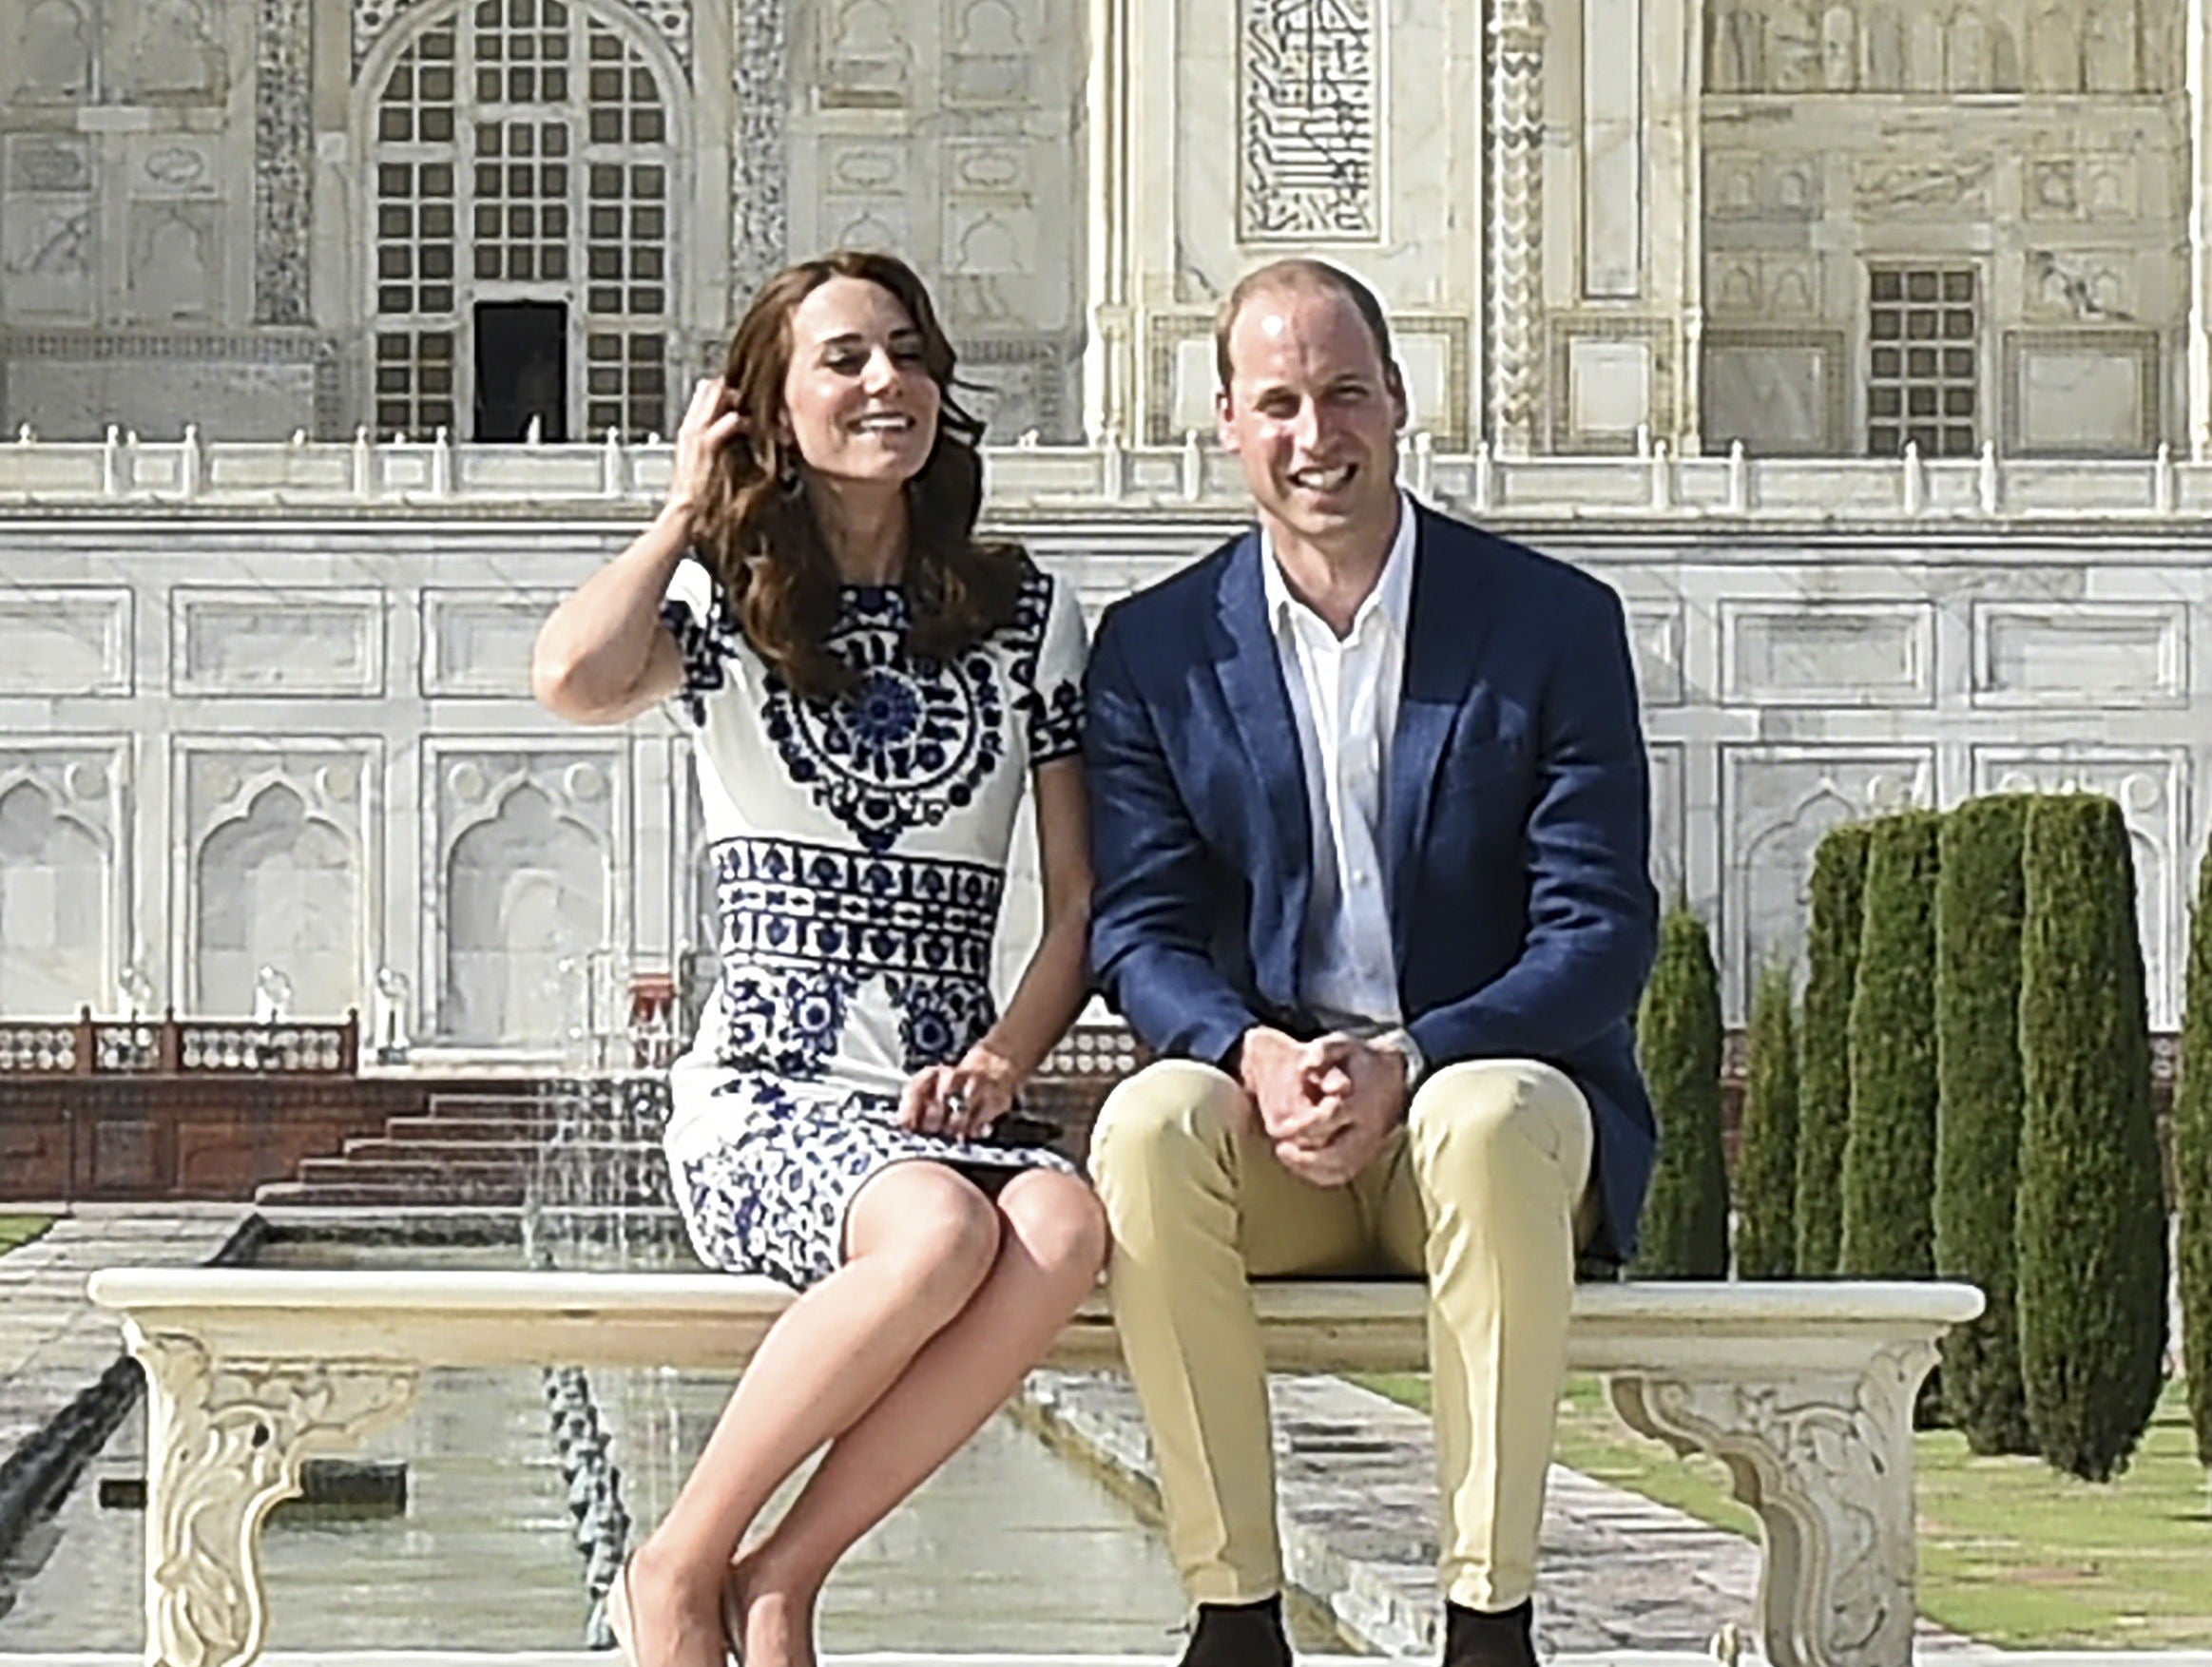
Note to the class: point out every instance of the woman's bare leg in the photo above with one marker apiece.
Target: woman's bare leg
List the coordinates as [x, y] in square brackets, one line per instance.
[920, 1241]
[1051, 1244]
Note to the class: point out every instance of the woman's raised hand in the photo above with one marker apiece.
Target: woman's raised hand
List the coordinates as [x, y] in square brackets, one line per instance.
[707, 425]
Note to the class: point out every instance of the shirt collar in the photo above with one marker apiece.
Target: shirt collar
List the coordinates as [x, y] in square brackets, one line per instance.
[1392, 595]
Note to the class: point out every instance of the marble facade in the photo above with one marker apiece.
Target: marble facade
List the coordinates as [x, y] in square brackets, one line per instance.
[258, 726]
[1617, 239]
[1593, 219]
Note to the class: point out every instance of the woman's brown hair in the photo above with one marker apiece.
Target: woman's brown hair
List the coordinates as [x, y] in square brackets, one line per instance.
[756, 530]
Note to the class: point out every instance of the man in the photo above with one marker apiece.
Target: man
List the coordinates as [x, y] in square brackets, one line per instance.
[1370, 827]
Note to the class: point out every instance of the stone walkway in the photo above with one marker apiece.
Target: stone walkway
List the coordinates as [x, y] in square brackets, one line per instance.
[1356, 1486]
[53, 1343]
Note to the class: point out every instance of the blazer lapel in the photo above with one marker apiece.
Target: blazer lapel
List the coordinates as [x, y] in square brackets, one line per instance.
[1251, 675]
[1447, 625]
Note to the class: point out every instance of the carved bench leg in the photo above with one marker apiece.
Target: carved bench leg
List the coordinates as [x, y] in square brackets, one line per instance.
[224, 1442]
[1826, 1461]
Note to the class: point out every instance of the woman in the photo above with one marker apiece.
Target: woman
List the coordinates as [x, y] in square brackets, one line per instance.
[869, 691]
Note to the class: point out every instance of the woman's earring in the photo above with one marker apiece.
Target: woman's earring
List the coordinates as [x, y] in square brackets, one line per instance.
[787, 474]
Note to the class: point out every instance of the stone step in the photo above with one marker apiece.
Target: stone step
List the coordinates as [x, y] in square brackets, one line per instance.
[360, 1193]
[439, 1148]
[458, 1128]
[629, 1168]
[366, 1186]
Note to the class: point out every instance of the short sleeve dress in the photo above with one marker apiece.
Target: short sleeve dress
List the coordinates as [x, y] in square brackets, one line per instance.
[860, 850]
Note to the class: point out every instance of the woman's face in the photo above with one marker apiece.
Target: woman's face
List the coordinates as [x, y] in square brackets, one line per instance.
[857, 401]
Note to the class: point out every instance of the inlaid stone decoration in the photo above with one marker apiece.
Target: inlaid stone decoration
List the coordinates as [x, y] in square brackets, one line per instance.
[760, 145]
[60, 814]
[176, 262]
[669, 19]
[49, 228]
[164, 51]
[283, 148]
[49, 56]
[1312, 141]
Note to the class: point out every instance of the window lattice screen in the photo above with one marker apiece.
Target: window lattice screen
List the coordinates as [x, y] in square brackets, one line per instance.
[1924, 369]
[530, 141]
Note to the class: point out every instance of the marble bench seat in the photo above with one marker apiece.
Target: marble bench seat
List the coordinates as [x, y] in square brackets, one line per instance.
[1804, 1390]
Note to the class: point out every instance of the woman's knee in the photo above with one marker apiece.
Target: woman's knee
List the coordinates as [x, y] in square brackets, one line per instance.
[1169, 1114]
[1059, 1223]
[928, 1227]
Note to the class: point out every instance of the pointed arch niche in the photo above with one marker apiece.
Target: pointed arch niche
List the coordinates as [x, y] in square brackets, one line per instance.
[276, 885]
[528, 890]
[56, 927]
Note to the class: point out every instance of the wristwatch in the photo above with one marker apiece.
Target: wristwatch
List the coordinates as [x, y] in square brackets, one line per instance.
[1400, 1041]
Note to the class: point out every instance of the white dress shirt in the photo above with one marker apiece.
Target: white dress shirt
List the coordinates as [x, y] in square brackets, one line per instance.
[1344, 696]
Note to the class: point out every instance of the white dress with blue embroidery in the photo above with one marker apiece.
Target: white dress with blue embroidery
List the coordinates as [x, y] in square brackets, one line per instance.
[860, 849]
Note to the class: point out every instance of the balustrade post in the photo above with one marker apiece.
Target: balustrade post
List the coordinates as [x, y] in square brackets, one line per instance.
[169, 1043]
[87, 1058]
[613, 474]
[191, 463]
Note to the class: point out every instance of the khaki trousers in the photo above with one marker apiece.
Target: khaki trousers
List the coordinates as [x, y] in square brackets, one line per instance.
[1482, 1191]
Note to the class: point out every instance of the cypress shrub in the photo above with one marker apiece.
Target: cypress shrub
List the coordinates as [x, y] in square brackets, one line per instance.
[1823, 1031]
[1977, 1125]
[1767, 1163]
[2192, 1138]
[2092, 1257]
[1888, 1162]
[1678, 1042]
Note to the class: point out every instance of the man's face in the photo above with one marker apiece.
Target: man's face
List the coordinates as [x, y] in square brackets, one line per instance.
[1314, 413]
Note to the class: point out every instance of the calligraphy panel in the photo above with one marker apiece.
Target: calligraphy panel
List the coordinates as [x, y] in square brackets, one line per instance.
[1311, 76]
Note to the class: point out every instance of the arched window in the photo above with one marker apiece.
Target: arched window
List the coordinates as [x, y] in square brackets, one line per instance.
[522, 179]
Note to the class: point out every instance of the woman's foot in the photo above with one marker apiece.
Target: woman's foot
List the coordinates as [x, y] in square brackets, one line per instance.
[667, 1617]
[769, 1618]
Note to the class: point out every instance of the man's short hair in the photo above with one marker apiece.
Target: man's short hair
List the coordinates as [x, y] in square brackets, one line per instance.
[1301, 272]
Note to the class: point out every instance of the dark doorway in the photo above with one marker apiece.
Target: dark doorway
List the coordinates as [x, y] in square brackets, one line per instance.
[522, 369]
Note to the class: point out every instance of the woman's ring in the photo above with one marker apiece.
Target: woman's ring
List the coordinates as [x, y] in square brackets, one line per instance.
[956, 1103]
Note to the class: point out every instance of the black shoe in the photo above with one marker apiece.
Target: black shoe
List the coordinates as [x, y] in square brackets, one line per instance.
[1474, 1637]
[1237, 1635]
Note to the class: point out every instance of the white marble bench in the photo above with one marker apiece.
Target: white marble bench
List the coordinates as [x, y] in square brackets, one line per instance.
[1804, 1390]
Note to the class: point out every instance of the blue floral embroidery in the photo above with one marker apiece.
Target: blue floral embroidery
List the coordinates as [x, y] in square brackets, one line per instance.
[804, 927]
[703, 644]
[1055, 722]
[911, 744]
[940, 1019]
[1052, 719]
[771, 1197]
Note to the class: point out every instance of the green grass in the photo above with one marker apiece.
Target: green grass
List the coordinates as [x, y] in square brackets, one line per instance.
[15, 1230]
[2012, 1552]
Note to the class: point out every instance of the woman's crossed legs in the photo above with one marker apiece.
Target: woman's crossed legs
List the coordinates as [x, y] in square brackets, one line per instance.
[946, 1299]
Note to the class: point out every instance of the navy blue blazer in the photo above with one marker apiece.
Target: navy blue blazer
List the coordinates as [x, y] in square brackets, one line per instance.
[1517, 821]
